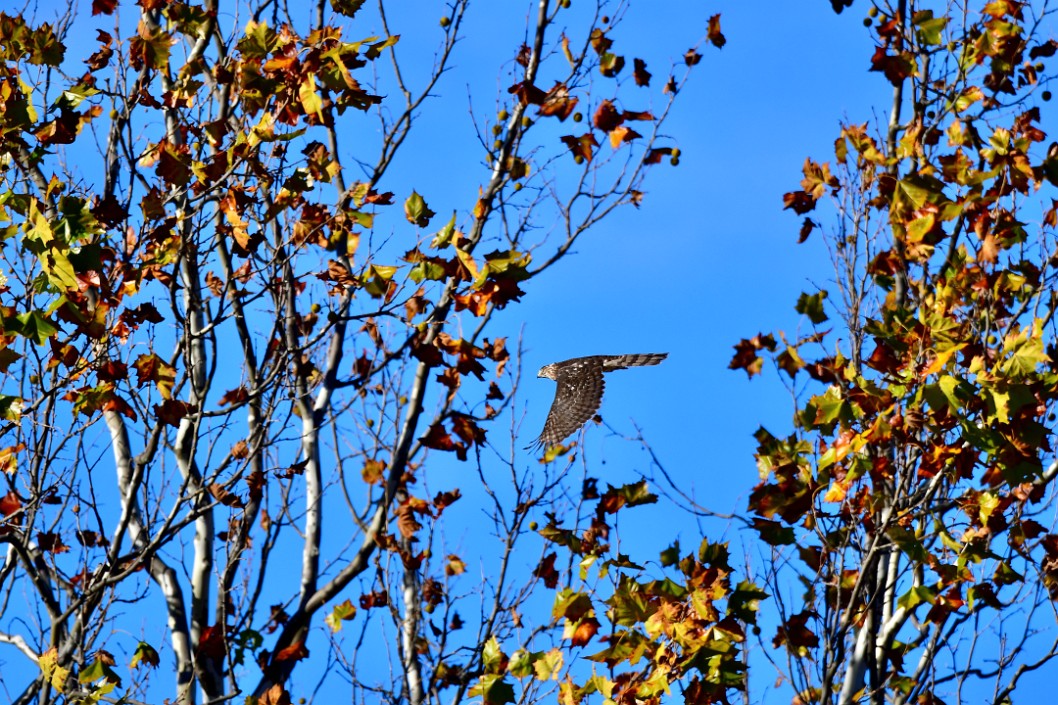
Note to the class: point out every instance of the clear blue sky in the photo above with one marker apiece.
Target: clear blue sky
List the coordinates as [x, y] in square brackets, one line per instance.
[710, 258]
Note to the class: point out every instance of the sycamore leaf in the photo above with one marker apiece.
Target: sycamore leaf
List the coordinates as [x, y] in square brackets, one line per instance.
[51, 670]
[493, 689]
[548, 665]
[812, 306]
[341, 613]
[416, 210]
[492, 657]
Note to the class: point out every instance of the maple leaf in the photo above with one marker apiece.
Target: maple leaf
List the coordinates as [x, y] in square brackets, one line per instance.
[621, 135]
[655, 155]
[527, 93]
[895, 67]
[446, 499]
[407, 524]
[746, 357]
[439, 439]
[715, 35]
[800, 201]
[546, 570]
[581, 147]
[454, 565]
[172, 411]
[377, 598]
[51, 542]
[103, 7]
[640, 73]
[416, 210]
[558, 102]
[373, 471]
[145, 655]
[806, 229]
[796, 635]
[583, 632]
[151, 368]
[606, 117]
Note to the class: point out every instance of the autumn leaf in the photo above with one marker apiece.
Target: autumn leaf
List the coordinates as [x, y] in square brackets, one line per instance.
[151, 368]
[640, 73]
[416, 210]
[558, 102]
[581, 147]
[145, 655]
[714, 34]
[746, 357]
[454, 565]
[621, 135]
[341, 613]
[606, 117]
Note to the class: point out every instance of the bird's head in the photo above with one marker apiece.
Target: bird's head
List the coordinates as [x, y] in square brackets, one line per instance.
[547, 372]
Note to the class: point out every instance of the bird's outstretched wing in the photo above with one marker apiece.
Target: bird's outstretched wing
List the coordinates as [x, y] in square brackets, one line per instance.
[578, 393]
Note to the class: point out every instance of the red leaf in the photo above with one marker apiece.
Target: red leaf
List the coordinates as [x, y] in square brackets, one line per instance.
[606, 117]
[546, 570]
[527, 93]
[581, 146]
[800, 201]
[51, 542]
[211, 643]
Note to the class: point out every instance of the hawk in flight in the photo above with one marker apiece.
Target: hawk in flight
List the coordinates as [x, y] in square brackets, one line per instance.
[579, 391]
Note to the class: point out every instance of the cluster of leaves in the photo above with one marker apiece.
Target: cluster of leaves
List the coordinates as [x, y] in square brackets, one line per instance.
[210, 288]
[684, 629]
[921, 460]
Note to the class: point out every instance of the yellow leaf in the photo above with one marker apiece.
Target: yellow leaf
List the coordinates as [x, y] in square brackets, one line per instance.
[310, 101]
[54, 673]
[836, 493]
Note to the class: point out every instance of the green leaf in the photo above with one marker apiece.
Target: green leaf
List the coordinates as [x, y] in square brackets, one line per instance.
[97, 671]
[492, 656]
[311, 102]
[744, 602]
[913, 192]
[145, 656]
[493, 689]
[571, 604]
[630, 495]
[908, 543]
[916, 596]
[426, 269]
[417, 212]
[812, 306]
[444, 235]
[1024, 352]
[671, 555]
[347, 7]
[548, 665]
[1005, 575]
[520, 664]
[341, 613]
[32, 325]
[373, 50]
[929, 28]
